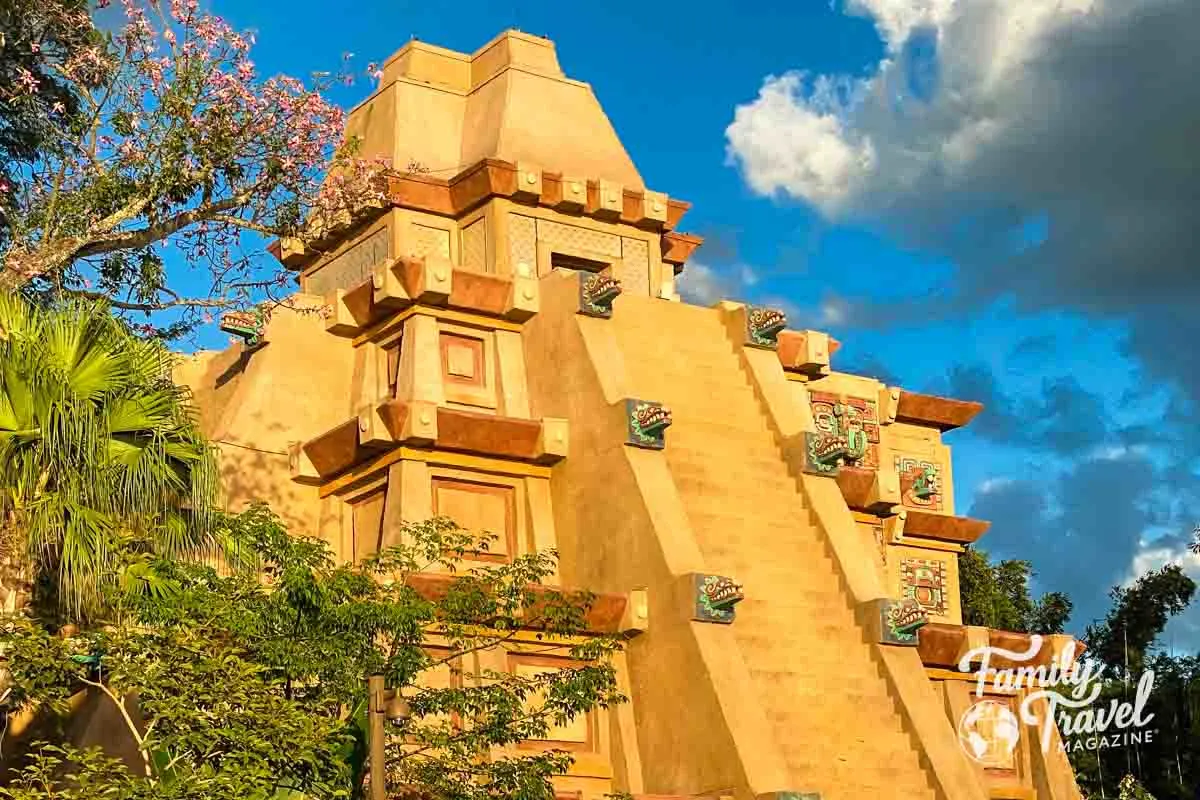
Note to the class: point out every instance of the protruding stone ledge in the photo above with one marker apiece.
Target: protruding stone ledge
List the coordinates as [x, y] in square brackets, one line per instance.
[944, 645]
[380, 427]
[427, 281]
[931, 525]
[608, 614]
[806, 352]
[943, 413]
[874, 490]
[677, 248]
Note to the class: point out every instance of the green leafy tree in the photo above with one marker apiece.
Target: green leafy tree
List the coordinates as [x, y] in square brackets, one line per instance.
[101, 464]
[1130, 789]
[252, 684]
[997, 596]
[1137, 618]
[1126, 642]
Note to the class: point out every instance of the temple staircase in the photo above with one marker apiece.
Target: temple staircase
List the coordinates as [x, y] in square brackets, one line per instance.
[834, 720]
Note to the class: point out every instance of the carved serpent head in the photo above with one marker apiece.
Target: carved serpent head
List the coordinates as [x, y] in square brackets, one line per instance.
[651, 418]
[767, 323]
[723, 593]
[601, 290]
[906, 618]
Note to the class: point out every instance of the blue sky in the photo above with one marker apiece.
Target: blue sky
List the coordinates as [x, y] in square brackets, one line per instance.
[962, 192]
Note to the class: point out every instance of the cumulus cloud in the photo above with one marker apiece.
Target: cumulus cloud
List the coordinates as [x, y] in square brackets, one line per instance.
[702, 285]
[1045, 146]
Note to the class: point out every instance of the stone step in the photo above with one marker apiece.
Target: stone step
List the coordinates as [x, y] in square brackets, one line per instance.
[697, 433]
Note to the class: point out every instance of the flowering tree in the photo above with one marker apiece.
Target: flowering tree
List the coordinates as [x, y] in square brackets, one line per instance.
[179, 144]
[36, 37]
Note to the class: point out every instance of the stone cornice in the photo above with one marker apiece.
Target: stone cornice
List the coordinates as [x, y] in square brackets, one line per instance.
[393, 423]
[944, 645]
[523, 183]
[609, 613]
[943, 413]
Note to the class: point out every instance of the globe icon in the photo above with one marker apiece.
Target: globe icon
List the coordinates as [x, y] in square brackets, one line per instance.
[989, 732]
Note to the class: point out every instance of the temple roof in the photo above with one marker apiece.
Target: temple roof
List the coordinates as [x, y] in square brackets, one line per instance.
[444, 111]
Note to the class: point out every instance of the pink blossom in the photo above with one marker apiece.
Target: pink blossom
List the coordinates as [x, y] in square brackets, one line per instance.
[25, 78]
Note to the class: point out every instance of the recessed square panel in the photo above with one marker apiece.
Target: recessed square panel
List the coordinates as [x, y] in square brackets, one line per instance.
[572, 735]
[479, 508]
[462, 359]
[368, 521]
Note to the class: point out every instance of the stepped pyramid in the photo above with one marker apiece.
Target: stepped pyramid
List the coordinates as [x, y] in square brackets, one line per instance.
[504, 344]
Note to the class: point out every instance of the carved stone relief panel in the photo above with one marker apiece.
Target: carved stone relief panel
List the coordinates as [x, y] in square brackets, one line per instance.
[426, 240]
[924, 580]
[353, 266]
[474, 246]
[522, 243]
[635, 266]
[920, 482]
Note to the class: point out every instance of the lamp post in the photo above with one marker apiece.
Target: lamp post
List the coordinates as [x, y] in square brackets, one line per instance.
[382, 704]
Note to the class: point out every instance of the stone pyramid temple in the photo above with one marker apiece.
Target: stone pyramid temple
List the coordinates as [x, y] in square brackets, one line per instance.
[504, 344]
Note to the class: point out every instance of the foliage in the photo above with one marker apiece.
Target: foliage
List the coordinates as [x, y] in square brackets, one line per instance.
[1130, 789]
[1167, 762]
[1137, 618]
[36, 38]
[179, 143]
[997, 596]
[100, 461]
[252, 683]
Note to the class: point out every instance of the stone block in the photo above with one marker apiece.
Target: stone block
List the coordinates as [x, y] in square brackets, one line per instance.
[805, 351]
[889, 404]
[523, 300]
[574, 194]
[430, 280]
[389, 291]
[654, 208]
[529, 183]
[301, 466]
[553, 440]
[610, 200]
[420, 425]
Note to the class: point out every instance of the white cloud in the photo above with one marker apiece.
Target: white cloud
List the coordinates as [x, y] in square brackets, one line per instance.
[792, 139]
[895, 19]
[992, 484]
[701, 285]
[985, 115]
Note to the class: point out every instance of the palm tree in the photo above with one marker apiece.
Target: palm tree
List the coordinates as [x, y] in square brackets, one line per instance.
[99, 455]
